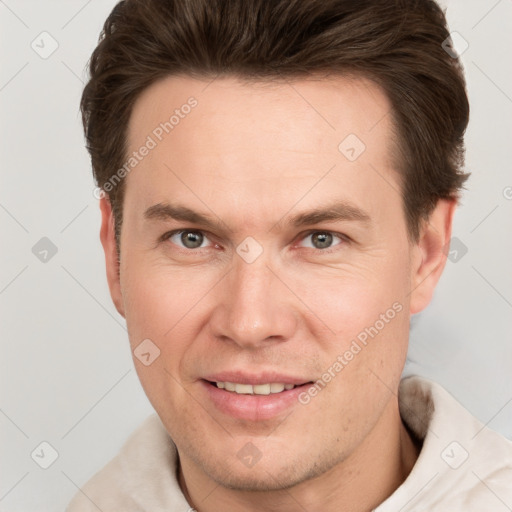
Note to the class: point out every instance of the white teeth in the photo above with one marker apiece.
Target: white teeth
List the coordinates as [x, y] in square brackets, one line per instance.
[257, 389]
[276, 388]
[230, 386]
[243, 389]
[261, 389]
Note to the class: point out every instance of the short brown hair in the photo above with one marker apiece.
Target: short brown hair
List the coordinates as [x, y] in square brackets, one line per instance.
[398, 44]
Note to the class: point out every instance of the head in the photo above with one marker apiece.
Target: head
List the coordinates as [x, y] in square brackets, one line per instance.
[280, 179]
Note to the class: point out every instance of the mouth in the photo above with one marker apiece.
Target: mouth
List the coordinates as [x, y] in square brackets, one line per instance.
[255, 399]
[254, 389]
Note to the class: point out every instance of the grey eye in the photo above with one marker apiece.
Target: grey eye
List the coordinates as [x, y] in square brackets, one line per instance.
[321, 240]
[191, 239]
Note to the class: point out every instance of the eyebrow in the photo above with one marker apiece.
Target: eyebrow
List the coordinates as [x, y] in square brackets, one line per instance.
[339, 211]
[166, 211]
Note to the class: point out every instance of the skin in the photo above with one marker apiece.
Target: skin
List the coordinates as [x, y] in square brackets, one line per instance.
[251, 157]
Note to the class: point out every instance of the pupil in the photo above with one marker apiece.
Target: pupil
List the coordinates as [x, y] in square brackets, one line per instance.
[191, 239]
[322, 240]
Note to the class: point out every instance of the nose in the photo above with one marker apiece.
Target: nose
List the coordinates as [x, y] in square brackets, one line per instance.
[254, 307]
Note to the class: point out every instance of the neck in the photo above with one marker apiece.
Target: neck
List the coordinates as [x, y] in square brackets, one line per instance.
[378, 466]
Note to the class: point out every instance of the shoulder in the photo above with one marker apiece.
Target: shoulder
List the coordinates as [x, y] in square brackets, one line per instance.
[142, 475]
[463, 465]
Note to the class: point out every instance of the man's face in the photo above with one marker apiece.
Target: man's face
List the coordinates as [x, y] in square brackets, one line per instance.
[255, 251]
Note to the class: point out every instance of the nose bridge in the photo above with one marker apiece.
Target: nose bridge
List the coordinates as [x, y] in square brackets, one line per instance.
[253, 307]
[251, 277]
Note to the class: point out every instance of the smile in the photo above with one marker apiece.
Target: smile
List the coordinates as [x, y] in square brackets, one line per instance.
[255, 398]
[257, 389]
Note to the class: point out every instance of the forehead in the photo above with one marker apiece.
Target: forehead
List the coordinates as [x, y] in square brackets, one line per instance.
[260, 142]
[309, 109]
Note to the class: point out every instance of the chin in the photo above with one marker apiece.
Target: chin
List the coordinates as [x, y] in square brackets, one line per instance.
[278, 473]
[261, 480]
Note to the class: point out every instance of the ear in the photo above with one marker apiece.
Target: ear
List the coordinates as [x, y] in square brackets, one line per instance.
[429, 254]
[108, 240]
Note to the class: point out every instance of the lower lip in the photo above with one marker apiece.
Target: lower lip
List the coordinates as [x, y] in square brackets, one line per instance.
[253, 407]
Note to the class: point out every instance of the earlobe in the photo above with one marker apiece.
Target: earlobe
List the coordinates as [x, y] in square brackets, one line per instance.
[108, 241]
[429, 255]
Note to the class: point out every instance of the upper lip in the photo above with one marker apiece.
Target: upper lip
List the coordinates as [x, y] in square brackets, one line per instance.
[255, 378]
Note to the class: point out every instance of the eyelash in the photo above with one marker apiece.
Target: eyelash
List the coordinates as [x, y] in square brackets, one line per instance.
[167, 236]
[343, 239]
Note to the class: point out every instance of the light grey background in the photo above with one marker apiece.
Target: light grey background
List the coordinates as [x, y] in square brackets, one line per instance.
[67, 377]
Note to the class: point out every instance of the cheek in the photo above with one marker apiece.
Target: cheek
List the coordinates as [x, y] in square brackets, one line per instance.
[159, 303]
[158, 296]
[366, 311]
[349, 300]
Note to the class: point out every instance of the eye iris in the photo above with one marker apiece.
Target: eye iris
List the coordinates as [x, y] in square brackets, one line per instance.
[191, 239]
[322, 240]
